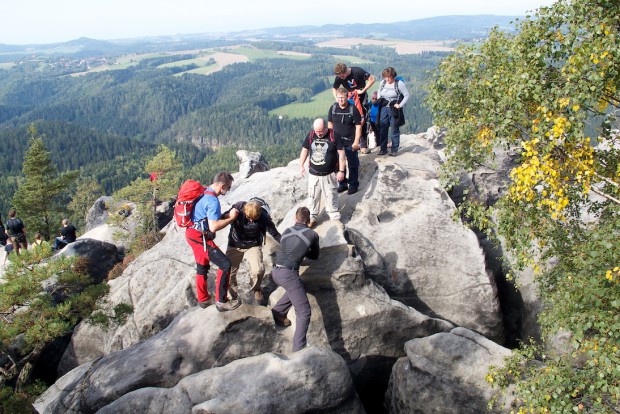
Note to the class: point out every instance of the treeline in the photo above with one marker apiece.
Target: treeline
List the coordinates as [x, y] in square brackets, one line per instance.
[104, 124]
[111, 160]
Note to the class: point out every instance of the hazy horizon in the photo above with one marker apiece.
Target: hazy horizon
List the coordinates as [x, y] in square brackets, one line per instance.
[33, 22]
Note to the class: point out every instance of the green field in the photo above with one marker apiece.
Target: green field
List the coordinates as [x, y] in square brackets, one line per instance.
[317, 107]
[351, 60]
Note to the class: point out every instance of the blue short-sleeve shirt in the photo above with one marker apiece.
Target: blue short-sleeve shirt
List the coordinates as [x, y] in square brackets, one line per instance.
[207, 207]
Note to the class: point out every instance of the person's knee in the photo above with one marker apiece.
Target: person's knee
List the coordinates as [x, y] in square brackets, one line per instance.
[304, 310]
[202, 269]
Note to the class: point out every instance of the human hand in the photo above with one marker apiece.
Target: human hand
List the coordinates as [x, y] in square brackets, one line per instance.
[233, 213]
[355, 147]
[302, 171]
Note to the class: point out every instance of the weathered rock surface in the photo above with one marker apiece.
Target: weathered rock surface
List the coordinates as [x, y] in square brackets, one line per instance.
[444, 374]
[310, 381]
[102, 256]
[402, 225]
[250, 163]
[399, 246]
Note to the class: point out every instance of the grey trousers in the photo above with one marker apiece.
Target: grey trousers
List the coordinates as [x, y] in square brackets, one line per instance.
[294, 295]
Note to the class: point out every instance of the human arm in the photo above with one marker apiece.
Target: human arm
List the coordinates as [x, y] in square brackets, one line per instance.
[271, 228]
[215, 225]
[303, 155]
[369, 82]
[405, 92]
[313, 250]
[357, 120]
[342, 162]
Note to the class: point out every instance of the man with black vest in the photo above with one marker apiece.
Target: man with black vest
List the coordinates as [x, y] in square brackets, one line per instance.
[296, 243]
[346, 121]
[327, 157]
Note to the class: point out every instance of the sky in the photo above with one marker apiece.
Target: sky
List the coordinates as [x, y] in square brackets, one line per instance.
[50, 21]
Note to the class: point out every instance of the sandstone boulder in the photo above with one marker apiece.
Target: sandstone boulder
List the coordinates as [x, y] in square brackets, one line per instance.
[444, 374]
[403, 227]
[251, 162]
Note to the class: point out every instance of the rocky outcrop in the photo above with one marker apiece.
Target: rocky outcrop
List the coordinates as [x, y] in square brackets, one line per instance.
[250, 163]
[313, 380]
[445, 373]
[101, 256]
[403, 227]
[398, 267]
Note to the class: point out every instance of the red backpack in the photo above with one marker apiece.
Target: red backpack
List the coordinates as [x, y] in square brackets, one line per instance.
[190, 192]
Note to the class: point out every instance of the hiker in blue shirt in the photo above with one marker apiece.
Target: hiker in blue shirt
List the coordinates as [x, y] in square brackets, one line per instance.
[208, 219]
[374, 109]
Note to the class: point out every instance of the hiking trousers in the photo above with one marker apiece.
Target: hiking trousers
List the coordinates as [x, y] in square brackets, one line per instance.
[325, 186]
[203, 256]
[254, 256]
[294, 295]
[353, 165]
[387, 122]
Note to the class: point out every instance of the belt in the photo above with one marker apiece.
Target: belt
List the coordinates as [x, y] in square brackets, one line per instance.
[286, 267]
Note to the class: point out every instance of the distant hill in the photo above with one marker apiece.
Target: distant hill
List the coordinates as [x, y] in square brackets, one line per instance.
[433, 28]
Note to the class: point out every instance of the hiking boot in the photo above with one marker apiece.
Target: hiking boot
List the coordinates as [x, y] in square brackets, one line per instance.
[227, 306]
[392, 154]
[382, 152]
[206, 303]
[364, 151]
[258, 296]
[342, 189]
[352, 190]
[281, 320]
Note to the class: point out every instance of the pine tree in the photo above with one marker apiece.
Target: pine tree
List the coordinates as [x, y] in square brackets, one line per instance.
[35, 198]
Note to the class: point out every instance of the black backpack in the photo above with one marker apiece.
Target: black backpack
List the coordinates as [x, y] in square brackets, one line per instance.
[14, 226]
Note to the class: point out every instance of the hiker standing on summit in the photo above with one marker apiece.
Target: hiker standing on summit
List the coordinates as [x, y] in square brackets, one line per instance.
[346, 121]
[208, 219]
[357, 80]
[352, 79]
[393, 96]
[327, 157]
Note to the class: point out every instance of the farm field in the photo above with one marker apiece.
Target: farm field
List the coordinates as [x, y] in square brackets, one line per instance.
[402, 47]
[317, 107]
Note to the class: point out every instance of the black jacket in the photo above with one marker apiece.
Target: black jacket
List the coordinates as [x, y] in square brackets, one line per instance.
[245, 233]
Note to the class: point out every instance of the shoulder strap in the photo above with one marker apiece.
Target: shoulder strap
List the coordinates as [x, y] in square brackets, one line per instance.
[331, 136]
[334, 108]
[299, 233]
[209, 192]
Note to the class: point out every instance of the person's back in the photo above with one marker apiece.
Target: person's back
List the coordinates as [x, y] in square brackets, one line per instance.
[14, 226]
[69, 233]
[296, 243]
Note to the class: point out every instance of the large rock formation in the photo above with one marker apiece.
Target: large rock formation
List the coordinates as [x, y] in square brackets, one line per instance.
[399, 246]
[402, 225]
[445, 373]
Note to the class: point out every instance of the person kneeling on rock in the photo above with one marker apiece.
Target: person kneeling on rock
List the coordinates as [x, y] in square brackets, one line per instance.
[296, 243]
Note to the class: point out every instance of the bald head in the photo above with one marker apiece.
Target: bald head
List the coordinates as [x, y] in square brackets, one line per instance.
[319, 127]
